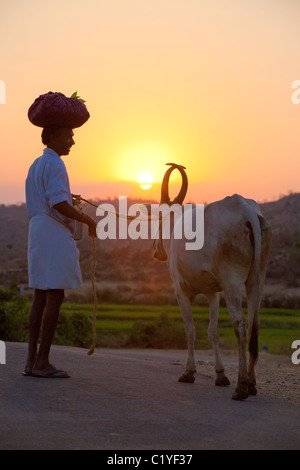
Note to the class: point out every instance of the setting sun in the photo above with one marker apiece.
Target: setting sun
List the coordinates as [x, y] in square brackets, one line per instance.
[145, 181]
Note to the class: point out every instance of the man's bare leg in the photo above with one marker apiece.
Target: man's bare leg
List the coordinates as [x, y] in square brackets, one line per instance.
[42, 365]
[34, 326]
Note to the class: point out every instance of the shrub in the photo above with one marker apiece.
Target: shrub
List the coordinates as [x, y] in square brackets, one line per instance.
[14, 320]
[158, 334]
[5, 295]
[73, 329]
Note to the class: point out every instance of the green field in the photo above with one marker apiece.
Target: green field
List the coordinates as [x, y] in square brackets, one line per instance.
[162, 326]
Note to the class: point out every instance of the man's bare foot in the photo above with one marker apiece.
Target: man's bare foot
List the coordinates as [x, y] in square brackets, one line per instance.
[28, 368]
[49, 372]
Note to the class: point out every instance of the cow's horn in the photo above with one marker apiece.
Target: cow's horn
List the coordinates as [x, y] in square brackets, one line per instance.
[184, 187]
[165, 185]
[164, 197]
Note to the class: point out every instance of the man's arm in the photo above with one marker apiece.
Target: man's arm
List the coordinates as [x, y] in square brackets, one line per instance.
[69, 211]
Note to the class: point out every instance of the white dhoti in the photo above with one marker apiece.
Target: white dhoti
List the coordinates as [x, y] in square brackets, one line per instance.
[53, 258]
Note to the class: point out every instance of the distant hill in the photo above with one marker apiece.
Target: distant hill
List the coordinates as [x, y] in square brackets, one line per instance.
[284, 217]
[128, 263]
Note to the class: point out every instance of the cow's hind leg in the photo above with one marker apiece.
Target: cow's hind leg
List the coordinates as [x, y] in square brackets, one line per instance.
[186, 311]
[253, 325]
[233, 298]
[254, 287]
[221, 379]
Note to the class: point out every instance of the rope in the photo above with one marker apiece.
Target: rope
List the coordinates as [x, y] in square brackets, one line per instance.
[94, 345]
[79, 200]
[117, 214]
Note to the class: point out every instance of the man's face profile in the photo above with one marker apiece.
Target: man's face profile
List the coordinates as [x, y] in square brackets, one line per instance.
[62, 141]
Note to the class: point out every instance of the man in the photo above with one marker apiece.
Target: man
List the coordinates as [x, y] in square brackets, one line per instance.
[53, 261]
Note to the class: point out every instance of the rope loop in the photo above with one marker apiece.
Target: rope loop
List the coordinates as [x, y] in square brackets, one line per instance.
[94, 345]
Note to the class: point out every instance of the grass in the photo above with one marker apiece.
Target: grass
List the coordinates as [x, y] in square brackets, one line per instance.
[156, 326]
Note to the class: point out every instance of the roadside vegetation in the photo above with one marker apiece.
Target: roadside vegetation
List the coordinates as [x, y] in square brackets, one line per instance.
[145, 326]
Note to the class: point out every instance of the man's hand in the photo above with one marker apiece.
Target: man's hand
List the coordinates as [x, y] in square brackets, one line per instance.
[76, 201]
[69, 211]
[92, 225]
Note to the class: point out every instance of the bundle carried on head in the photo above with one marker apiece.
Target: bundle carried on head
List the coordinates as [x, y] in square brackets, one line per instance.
[56, 109]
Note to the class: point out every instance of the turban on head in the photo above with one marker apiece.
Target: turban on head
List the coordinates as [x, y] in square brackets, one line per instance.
[56, 109]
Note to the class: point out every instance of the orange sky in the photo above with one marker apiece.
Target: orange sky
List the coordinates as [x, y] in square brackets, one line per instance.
[206, 84]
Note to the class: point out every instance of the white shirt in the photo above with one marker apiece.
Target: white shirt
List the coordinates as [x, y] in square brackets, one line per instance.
[47, 184]
[53, 258]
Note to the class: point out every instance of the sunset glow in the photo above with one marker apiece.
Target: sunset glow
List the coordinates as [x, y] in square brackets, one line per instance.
[207, 85]
[145, 181]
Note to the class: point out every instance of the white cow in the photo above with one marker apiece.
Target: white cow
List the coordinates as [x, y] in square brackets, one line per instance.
[237, 240]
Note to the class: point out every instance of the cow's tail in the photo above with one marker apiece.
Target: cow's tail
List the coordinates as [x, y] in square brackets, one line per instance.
[253, 289]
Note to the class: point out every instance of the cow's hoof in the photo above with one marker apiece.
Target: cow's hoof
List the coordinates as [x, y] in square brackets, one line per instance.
[241, 392]
[188, 377]
[252, 389]
[221, 380]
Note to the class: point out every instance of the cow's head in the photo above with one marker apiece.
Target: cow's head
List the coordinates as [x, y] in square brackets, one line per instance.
[159, 251]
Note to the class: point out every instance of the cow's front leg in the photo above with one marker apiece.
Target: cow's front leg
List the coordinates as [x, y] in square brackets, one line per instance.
[187, 315]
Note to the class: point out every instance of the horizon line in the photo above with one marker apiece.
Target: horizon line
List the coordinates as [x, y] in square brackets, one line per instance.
[137, 198]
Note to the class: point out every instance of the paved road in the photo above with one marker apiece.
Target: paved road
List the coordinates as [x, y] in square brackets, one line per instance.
[126, 399]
